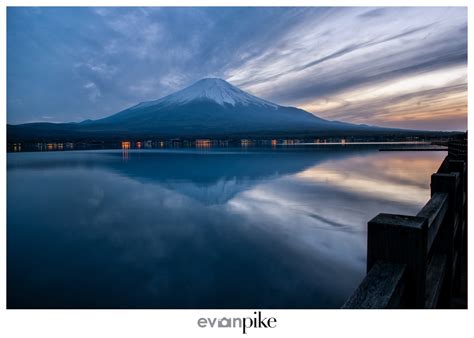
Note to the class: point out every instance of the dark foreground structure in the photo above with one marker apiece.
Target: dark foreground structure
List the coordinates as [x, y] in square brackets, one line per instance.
[421, 261]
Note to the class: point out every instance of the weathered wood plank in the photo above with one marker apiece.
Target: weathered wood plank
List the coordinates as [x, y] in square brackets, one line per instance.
[401, 239]
[454, 265]
[444, 167]
[444, 242]
[457, 166]
[435, 275]
[382, 288]
[434, 210]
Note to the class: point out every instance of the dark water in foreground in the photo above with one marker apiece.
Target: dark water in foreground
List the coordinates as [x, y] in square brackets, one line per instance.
[219, 228]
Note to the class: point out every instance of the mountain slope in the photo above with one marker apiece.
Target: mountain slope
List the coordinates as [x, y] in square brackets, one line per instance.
[209, 108]
[209, 105]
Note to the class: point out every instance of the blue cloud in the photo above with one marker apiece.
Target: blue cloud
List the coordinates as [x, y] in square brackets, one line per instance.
[70, 64]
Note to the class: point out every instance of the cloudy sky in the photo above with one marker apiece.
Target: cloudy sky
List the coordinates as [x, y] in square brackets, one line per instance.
[397, 67]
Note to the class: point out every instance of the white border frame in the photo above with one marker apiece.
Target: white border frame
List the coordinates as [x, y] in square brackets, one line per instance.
[156, 323]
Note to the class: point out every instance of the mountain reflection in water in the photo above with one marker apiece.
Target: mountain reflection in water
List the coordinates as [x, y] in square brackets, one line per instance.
[219, 228]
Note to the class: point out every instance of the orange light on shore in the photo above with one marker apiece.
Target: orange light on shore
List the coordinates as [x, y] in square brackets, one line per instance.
[125, 145]
[274, 142]
[203, 143]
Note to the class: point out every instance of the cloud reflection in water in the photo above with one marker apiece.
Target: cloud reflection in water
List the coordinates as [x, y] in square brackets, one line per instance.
[262, 229]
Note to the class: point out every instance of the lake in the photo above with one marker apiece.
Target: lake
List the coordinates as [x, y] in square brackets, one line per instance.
[201, 228]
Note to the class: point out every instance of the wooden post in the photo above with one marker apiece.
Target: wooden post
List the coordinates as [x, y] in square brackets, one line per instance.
[459, 166]
[401, 239]
[447, 183]
[460, 239]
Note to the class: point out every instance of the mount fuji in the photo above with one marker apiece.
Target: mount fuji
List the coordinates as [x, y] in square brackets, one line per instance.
[210, 107]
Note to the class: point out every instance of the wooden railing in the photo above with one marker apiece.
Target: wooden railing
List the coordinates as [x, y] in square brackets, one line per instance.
[420, 261]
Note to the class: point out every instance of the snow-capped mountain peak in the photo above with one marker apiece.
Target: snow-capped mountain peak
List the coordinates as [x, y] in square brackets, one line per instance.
[213, 89]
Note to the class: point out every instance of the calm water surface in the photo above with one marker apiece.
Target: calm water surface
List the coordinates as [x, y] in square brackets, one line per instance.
[218, 228]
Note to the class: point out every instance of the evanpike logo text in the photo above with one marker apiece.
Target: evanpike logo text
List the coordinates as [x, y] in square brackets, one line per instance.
[256, 321]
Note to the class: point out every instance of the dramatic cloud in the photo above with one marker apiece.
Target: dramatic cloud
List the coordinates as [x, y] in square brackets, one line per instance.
[401, 67]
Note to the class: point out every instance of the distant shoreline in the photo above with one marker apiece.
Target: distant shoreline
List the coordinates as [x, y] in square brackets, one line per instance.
[208, 144]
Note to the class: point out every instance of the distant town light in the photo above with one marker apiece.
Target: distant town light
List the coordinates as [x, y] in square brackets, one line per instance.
[203, 143]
